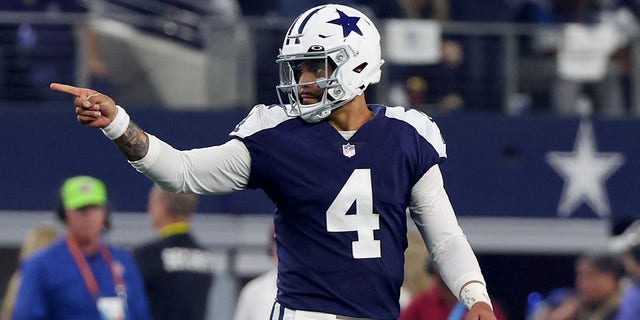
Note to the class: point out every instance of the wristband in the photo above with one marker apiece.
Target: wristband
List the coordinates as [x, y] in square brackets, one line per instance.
[474, 292]
[118, 126]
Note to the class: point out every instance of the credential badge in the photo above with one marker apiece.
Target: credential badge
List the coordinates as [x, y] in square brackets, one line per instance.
[348, 150]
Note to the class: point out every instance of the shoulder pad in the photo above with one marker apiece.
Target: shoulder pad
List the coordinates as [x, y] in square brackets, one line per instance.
[423, 124]
[261, 117]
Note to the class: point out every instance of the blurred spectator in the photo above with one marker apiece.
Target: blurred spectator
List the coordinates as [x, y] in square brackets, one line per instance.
[541, 309]
[36, 239]
[435, 89]
[627, 244]
[437, 302]
[445, 89]
[598, 286]
[424, 9]
[36, 54]
[80, 276]
[533, 11]
[484, 55]
[592, 56]
[177, 270]
[536, 66]
[258, 295]
[597, 291]
[630, 305]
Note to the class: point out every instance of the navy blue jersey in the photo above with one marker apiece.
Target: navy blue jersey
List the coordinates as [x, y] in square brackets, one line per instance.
[341, 204]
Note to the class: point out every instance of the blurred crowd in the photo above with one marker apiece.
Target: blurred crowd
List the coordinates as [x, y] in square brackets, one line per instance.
[606, 285]
[569, 57]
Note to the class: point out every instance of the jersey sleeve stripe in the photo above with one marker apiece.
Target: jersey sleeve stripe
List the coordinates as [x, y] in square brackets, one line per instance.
[261, 117]
[423, 124]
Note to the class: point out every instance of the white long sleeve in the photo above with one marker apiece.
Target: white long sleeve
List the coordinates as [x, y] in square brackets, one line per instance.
[216, 169]
[433, 214]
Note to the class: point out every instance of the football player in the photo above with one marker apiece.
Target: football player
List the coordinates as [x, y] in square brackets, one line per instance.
[341, 173]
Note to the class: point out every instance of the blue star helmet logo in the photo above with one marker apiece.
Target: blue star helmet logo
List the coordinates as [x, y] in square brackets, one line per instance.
[348, 24]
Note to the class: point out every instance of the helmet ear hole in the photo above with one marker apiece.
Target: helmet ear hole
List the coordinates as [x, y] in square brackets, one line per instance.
[361, 67]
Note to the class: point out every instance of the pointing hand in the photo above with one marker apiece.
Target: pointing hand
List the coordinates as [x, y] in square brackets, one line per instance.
[93, 108]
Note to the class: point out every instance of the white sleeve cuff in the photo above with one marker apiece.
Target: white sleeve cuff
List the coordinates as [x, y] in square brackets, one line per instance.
[473, 293]
[118, 126]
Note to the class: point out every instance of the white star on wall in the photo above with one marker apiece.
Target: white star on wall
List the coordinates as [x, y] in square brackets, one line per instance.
[585, 171]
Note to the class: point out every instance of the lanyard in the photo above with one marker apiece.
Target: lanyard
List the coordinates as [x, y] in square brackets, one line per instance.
[457, 312]
[88, 276]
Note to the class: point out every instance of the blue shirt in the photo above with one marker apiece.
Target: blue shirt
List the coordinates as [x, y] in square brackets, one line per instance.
[340, 223]
[630, 304]
[52, 286]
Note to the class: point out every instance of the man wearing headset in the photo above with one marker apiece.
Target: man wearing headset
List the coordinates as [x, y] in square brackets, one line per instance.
[341, 172]
[80, 276]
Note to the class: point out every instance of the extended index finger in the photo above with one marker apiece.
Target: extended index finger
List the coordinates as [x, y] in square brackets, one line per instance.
[76, 91]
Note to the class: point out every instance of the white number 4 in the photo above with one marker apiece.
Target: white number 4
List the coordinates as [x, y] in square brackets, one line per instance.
[357, 189]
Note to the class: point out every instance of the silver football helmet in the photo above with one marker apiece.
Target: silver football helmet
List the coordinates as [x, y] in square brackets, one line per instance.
[332, 35]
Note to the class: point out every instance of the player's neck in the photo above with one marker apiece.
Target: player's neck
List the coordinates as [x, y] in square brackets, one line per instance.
[351, 116]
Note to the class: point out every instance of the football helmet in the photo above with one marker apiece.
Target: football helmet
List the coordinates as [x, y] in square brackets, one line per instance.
[334, 36]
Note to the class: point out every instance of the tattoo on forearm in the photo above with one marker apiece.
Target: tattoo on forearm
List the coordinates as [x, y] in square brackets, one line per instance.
[134, 143]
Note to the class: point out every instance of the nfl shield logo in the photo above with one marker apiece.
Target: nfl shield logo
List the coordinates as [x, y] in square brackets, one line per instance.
[348, 150]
